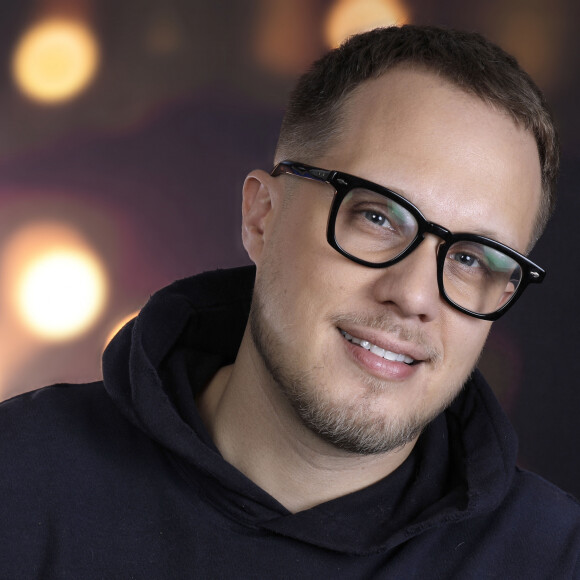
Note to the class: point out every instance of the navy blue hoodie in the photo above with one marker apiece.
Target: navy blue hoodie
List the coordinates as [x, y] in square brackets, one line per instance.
[119, 479]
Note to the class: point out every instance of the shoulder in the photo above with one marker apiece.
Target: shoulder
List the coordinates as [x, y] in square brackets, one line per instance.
[53, 412]
[544, 522]
[73, 467]
[65, 443]
[41, 408]
[51, 431]
[544, 502]
[55, 396]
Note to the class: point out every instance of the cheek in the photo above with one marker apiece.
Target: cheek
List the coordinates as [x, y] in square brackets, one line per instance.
[304, 258]
[292, 284]
[467, 342]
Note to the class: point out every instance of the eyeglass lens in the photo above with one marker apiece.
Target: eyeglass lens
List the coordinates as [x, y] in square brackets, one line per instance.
[377, 229]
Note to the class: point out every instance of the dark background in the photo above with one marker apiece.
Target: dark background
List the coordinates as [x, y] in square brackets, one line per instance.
[149, 160]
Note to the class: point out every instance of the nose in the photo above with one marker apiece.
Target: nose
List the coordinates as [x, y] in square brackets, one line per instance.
[410, 286]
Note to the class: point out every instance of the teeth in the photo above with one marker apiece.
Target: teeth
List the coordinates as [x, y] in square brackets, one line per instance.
[386, 354]
[377, 350]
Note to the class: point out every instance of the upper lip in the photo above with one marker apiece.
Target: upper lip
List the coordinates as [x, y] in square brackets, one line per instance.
[416, 352]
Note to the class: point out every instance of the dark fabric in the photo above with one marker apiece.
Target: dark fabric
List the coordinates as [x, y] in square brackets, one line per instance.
[121, 480]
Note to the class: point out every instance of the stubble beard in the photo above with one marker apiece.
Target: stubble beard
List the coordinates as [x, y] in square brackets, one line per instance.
[355, 427]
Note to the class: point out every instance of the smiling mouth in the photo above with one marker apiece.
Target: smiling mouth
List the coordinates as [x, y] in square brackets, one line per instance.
[386, 354]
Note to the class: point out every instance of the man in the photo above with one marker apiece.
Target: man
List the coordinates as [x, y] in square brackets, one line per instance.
[341, 430]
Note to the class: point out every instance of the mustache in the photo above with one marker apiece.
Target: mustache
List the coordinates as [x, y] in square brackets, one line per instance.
[385, 322]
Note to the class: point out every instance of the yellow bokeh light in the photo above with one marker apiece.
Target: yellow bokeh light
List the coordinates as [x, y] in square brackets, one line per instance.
[349, 17]
[61, 293]
[58, 285]
[55, 60]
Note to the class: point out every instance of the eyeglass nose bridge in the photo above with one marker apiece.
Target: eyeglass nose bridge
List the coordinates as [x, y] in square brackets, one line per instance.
[435, 229]
[426, 227]
[438, 231]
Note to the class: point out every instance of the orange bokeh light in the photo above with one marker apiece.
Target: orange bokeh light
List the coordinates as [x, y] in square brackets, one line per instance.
[348, 17]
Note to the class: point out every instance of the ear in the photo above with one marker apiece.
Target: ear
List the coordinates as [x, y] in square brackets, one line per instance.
[259, 203]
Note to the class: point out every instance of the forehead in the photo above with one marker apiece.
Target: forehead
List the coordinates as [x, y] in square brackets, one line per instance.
[465, 164]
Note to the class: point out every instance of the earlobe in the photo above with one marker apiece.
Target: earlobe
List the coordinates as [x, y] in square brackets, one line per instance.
[257, 206]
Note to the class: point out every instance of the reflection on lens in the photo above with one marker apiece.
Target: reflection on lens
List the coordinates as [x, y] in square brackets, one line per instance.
[373, 227]
[480, 278]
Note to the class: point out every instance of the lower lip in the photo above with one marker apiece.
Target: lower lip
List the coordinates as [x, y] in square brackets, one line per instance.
[377, 365]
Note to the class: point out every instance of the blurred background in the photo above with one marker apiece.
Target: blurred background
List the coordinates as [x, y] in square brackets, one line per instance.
[127, 128]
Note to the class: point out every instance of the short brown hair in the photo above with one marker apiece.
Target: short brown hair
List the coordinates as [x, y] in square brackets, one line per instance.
[466, 59]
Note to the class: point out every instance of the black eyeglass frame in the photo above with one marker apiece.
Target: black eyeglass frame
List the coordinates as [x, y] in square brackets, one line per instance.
[343, 183]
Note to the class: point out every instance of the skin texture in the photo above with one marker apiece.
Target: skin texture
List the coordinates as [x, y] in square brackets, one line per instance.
[304, 413]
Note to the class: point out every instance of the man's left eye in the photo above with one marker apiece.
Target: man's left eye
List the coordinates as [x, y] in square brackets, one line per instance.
[466, 259]
[376, 218]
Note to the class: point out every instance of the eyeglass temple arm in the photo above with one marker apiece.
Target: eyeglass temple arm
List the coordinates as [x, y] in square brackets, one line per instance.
[302, 170]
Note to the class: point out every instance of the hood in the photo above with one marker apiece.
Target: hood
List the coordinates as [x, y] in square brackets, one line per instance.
[461, 467]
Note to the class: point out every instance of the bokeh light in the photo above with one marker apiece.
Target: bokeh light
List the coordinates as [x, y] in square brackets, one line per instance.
[55, 60]
[535, 37]
[348, 17]
[286, 36]
[57, 282]
[61, 293]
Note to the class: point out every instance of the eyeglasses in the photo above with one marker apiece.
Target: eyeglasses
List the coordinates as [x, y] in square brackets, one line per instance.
[376, 227]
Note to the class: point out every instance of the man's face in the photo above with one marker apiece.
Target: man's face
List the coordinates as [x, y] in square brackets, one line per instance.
[466, 167]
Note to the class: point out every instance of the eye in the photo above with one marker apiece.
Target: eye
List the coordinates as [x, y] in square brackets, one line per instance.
[465, 259]
[376, 218]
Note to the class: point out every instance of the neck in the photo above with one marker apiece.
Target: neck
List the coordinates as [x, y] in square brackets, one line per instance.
[258, 432]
